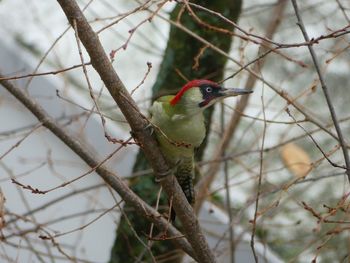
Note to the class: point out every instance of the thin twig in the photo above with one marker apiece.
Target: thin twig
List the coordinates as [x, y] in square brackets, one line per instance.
[254, 74]
[106, 211]
[64, 184]
[20, 141]
[228, 194]
[259, 182]
[103, 120]
[110, 178]
[43, 73]
[203, 185]
[324, 88]
[315, 142]
[150, 235]
[149, 67]
[257, 39]
[50, 49]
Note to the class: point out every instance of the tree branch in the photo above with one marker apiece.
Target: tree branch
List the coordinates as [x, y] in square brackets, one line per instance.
[138, 124]
[108, 176]
[325, 89]
[204, 184]
[256, 75]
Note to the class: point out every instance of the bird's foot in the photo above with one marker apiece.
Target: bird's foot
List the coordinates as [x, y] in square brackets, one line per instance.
[150, 127]
[163, 175]
[170, 171]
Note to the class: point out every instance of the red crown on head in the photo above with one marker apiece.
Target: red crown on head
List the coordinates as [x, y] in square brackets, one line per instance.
[189, 85]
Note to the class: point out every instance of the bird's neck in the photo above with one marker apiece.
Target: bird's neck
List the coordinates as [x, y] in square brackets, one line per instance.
[189, 103]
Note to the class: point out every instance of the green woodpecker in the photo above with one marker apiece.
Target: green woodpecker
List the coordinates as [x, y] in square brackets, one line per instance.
[180, 127]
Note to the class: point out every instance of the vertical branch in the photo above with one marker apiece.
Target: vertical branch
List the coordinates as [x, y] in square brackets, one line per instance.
[142, 208]
[138, 123]
[324, 88]
[228, 194]
[259, 181]
[181, 52]
[204, 184]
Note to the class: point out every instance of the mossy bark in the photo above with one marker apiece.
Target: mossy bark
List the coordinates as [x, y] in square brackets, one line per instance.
[180, 54]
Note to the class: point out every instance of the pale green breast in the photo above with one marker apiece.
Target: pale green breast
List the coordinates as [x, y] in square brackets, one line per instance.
[178, 124]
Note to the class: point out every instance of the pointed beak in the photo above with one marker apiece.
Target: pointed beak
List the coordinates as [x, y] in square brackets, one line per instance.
[233, 92]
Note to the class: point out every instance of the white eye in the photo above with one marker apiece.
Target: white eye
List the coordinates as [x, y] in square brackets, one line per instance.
[209, 89]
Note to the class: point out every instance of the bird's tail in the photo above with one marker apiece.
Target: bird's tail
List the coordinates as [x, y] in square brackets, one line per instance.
[186, 183]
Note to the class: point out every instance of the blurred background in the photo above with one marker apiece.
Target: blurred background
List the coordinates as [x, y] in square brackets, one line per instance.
[279, 147]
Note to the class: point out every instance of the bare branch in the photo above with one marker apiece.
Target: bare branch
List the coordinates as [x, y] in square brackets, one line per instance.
[110, 178]
[240, 107]
[138, 124]
[325, 89]
[256, 213]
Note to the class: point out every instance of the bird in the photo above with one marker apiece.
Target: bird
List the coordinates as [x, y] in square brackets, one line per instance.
[179, 126]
